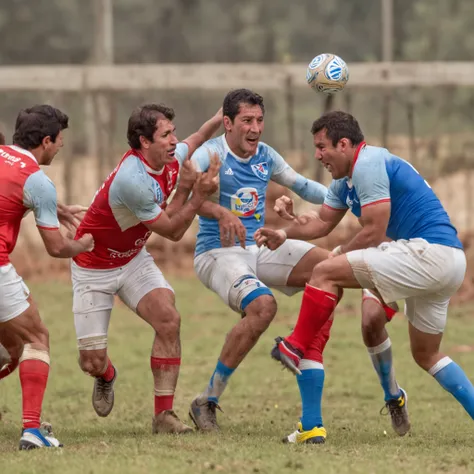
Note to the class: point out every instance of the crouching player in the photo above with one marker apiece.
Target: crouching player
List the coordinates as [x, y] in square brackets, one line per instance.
[127, 208]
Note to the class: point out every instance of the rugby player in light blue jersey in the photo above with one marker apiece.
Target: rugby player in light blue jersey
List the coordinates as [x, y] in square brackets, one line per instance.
[423, 263]
[241, 275]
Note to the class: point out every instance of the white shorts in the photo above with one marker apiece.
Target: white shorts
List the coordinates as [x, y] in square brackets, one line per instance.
[94, 290]
[424, 275]
[13, 294]
[240, 275]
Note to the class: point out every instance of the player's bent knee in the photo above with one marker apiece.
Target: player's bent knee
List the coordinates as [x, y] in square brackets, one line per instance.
[262, 311]
[245, 290]
[321, 273]
[167, 323]
[373, 319]
[93, 363]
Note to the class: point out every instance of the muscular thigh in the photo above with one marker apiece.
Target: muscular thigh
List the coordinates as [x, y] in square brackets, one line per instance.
[231, 273]
[404, 269]
[288, 268]
[140, 279]
[93, 299]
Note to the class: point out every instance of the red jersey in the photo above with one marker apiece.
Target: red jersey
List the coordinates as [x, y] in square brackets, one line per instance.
[133, 195]
[23, 187]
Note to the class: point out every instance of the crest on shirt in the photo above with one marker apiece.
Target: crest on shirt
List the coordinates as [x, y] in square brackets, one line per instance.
[244, 202]
[261, 170]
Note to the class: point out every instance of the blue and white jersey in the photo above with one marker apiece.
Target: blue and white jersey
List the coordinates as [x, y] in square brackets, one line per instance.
[243, 186]
[379, 176]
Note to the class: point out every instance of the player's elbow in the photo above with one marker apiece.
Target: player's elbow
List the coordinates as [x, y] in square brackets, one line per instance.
[375, 235]
[55, 250]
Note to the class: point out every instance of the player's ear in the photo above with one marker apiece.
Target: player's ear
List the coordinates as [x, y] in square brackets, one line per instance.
[144, 142]
[46, 141]
[228, 123]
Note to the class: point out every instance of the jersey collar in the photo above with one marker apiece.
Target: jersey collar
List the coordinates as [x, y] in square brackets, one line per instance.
[148, 168]
[238, 158]
[23, 152]
[356, 155]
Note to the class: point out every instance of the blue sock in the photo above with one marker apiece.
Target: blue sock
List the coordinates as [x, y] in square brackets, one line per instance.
[453, 379]
[381, 357]
[218, 382]
[311, 384]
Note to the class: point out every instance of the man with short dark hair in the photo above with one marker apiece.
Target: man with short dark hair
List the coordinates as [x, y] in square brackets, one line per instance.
[127, 208]
[24, 187]
[423, 263]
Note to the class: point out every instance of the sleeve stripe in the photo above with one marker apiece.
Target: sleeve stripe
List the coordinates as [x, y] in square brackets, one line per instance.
[47, 227]
[154, 219]
[335, 208]
[376, 202]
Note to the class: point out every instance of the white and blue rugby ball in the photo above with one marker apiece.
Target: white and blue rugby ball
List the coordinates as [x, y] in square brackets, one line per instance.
[327, 73]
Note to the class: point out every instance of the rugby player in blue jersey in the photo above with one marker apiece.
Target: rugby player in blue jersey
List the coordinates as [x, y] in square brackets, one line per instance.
[407, 249]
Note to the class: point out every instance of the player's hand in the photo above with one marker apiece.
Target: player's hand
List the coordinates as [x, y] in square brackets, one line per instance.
[284, 208]
[208, 183]
[271, 238]
[230, 226]
[187, 175]
[87, 242]
[71, 216]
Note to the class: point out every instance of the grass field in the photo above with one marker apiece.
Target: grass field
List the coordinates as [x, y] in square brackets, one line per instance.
[261, 403]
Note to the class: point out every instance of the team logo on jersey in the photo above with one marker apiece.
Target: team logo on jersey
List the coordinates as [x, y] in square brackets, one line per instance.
[170, 185]
[261, 170]
[159, 194]
[244, 202]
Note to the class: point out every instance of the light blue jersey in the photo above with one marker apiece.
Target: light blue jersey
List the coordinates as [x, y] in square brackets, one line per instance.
[39, 195]
[416, 211]
[243, 186]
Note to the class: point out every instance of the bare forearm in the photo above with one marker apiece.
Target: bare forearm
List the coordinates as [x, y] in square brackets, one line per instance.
[212, 210]
[178, 201]
[68, 249]
[367, 237]
[183, 217]
[314, 229]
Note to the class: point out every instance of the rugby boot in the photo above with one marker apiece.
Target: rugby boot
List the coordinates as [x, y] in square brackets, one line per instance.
[313, 436]
[103, 395]
[203, 414]
[168, 422]
[398, 409]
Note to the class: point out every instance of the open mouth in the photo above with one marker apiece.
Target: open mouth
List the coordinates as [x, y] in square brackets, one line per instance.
[252, 141]
[171, 152]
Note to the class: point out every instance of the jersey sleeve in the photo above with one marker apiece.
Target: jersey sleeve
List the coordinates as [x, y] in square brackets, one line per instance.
[39, 195]
[284, 174]
[133, 188]
[181, 152]
[370, 180]
[332, 199]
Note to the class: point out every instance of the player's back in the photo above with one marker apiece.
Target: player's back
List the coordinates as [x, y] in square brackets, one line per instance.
[416, 211]
[16, 165]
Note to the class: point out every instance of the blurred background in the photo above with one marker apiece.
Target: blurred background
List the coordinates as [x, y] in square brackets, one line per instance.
[411, 85]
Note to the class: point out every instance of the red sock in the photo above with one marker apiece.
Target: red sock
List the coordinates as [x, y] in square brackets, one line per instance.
[163, 402]
[165, 371]
[9, 368]
[33, 379]
[316, 348]
[316, 308]
[109, 373]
